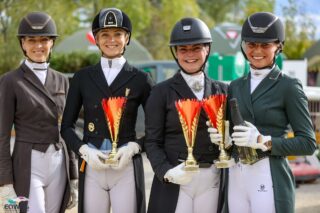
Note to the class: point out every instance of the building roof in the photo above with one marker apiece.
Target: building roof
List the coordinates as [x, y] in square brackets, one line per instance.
[83, 41]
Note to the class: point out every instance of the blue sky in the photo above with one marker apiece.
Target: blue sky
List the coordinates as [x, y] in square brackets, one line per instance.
[311, 8]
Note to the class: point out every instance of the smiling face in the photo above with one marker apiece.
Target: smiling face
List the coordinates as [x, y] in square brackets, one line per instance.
[260, 55]
[112, 41]
[37, 48]
[192, 57]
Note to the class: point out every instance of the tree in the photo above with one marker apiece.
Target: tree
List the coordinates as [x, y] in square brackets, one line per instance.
[252, 6]
[11, 12]
[9, 46]
[69, 17]
[138, 11]
[152, 21]
[220, 10]
[165, 14]
[299, 28]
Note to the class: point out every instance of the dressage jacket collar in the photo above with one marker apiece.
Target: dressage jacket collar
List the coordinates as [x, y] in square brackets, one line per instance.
[97, 76]
[268, 82]
[47, 89]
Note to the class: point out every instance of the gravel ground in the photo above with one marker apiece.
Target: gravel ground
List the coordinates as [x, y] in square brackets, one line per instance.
[307, 195]
[308, 198]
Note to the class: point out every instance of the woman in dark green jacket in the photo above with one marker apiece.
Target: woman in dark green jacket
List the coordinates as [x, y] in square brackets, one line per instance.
[269, 102]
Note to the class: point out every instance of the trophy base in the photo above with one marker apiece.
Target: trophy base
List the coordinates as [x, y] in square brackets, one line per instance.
[220, 164]
[112, 162]
[191, 167]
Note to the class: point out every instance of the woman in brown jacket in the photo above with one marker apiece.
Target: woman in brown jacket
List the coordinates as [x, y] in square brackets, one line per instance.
[32, 99]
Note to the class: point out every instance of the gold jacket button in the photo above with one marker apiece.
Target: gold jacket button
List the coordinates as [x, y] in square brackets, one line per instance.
[91, 127]
[59, 119]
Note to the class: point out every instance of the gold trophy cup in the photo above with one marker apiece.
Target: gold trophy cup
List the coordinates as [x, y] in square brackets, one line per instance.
[214, 106]
[189, 111]
[113, 108]
[225, 161]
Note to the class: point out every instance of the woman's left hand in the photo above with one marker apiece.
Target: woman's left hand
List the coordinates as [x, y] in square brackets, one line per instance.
[125, 154]
[73, 194]
[248, 136]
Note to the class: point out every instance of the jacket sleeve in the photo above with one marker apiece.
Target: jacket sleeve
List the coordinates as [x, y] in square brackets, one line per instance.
[73, 163]
[146, 92]
[70, 115]
[296, 108]
[155, 131]
[7, 111]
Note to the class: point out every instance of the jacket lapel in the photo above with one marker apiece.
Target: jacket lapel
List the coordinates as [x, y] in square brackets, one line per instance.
[122, 78]
[245, 86]
[33, 79]
[184, 91]
[98, 78]
[210, 88]
[207, 87]
[265, 85]
[181, 87]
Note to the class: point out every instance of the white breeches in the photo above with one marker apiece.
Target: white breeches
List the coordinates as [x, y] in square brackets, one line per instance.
[250, 188]
[201, 194]
[110, 188]
[48, 181]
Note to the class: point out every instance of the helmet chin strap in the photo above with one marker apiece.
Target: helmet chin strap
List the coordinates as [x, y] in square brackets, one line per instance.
[46, 61]
[37, 62]
[277, 52]
[118, 56]
[124, 48]
[188, 73]
[262, 68]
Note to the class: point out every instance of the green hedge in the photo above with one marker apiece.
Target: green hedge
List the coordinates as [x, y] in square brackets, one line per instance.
[70, 63]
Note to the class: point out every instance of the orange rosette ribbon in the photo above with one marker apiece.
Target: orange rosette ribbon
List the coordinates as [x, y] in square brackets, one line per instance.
[189, 111]
[214, 106]
[113, 108]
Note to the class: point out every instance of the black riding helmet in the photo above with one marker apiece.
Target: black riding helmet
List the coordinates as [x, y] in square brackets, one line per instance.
[263, 27]
[190, 31]
[37, 24]
[111, 17]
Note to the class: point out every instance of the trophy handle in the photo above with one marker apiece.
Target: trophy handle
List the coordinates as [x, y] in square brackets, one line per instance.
[191, 164]
[111, 157]
[225, 161]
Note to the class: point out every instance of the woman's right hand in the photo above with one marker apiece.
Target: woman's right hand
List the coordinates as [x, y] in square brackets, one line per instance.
[6, 192]
[93, 157]
[216, 137]
[178, 175]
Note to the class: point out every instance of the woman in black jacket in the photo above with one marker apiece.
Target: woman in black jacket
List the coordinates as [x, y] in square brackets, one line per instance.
[174, 189]
[103, 186]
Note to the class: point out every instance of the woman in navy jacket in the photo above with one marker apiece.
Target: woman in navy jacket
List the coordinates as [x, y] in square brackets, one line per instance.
[103, 187]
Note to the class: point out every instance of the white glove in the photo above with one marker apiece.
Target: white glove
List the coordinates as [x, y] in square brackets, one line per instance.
[73, 194]
[125, 154]
[248, 136]
[6, 192]
[93, 157]
[178, 175]
[216, 137]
